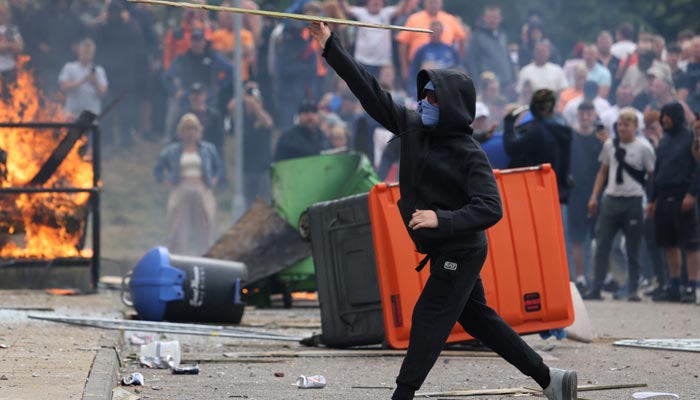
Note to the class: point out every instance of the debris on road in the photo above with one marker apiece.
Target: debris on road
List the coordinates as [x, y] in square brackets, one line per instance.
[121, 394]
[4, 346]
[168, 327]
[62, 292]
[620, 368]
[135, 379]
[186, 370]
[649, 395]
[522, 391]
[311, 382]
[349, 353]
[279, 374]
[160, 354]
[691, 345]
[138, 339]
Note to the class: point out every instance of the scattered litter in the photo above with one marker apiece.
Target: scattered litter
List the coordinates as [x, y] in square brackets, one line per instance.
[620, 368]
[35, 375]
[311, 382]
[279, 374]
[121, 394]
[62, 292]
[692, 345]
[3, 346]
[676, 365]
[3, 378]
[160, 354]
[141, 338]
[156, 387]
[186, 370]
[649, 395]
[371, 387]
[348, 353]
[522, 391]
[135, 379]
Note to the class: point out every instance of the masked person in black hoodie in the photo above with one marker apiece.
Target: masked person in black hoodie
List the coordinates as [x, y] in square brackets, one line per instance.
[448, 198]
[673, 203]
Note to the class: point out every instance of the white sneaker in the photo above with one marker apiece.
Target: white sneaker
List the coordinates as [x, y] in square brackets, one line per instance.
[563, 385]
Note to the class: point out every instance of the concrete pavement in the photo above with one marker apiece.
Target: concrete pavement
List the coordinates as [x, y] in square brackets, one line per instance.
[48, 360]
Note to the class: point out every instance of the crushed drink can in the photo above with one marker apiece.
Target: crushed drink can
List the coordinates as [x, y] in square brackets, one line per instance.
[135, 378]
[311, 382]
[186, 370]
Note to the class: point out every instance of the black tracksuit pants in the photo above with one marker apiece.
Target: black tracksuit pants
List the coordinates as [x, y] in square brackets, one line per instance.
[454, 292]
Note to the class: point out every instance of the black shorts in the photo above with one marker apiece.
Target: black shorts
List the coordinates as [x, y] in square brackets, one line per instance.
[580, 226]
[674, 228]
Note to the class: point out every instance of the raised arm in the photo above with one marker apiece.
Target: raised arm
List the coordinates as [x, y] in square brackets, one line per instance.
[346, 9]
[378, 103]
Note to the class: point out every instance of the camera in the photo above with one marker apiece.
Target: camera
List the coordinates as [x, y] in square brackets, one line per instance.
[93, 68]
[599, 126]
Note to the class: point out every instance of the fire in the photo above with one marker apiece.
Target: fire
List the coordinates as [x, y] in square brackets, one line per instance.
[39, 225]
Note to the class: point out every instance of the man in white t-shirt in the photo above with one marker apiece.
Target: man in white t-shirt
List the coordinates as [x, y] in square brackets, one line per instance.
[83, 82]
[626, 162]
[541, 73]
[373, 46]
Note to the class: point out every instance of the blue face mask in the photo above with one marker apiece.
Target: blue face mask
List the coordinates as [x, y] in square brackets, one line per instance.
[429, 114]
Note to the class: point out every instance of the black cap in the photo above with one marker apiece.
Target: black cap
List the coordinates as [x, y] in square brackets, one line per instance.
[307, 106]
[197, 88]
[197, 34]
[586, 106]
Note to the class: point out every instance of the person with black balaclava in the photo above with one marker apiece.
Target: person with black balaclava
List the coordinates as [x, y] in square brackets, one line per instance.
[449, 197]
[673, 203]
[545, 140]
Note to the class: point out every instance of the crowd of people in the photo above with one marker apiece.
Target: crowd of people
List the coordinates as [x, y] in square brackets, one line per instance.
[614, 115]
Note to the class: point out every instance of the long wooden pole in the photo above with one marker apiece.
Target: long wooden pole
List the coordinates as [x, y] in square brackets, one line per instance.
[275, 14]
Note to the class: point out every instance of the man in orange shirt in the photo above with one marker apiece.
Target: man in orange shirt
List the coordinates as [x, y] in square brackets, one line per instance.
[223, 40]
[177, 39]
[409, 42]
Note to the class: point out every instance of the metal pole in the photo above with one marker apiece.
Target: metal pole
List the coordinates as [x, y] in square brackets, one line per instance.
[96, 177]
[238, 200]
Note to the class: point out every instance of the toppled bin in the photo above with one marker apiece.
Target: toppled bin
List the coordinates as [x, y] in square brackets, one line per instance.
[171, 287]
[299, 183]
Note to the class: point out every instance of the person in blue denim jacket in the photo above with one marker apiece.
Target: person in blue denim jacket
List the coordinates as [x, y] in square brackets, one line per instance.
[191, 168]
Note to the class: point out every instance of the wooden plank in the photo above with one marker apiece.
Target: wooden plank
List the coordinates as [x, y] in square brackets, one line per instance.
[275, 14]
[350, 353]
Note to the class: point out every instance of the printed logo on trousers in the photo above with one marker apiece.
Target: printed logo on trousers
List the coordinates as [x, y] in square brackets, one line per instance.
[450, 266]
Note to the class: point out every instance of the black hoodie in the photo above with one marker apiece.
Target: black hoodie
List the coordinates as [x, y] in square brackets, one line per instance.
[442, 168]
[676, 171]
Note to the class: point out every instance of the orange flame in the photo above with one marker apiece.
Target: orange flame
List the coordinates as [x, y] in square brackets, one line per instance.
[39, 225]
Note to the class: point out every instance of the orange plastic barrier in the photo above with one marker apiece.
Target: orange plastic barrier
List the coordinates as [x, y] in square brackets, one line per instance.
[525, 276]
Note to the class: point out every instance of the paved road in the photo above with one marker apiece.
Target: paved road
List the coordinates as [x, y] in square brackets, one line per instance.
[47, 360]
